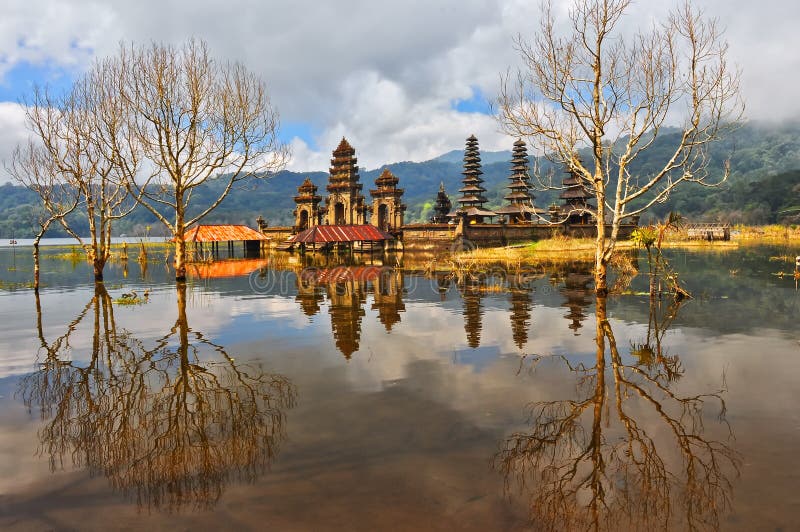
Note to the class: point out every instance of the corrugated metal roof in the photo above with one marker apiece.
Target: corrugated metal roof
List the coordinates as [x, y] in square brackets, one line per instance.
[221, 233]
[341, 233]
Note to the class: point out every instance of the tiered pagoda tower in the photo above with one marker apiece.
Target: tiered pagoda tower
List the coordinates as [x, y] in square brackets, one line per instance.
[576, 200]
[345, 203]
[387, 204]
[442, 207]
[308, 212]
[472, 198]
[520, 207]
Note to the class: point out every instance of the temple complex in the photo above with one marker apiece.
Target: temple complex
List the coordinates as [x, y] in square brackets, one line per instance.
[345, 219]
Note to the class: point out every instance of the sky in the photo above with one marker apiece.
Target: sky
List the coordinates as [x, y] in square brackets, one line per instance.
[403, 80]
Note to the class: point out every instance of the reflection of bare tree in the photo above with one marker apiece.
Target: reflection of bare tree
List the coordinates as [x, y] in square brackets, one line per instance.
[627, 453]
[172, 424]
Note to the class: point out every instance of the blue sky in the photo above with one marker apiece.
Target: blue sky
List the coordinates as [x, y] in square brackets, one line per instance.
[403, 81]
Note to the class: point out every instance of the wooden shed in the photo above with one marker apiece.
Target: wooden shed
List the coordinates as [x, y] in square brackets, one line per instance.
[202, 234]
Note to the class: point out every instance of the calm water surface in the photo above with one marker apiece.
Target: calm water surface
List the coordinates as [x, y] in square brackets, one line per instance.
[267, 394]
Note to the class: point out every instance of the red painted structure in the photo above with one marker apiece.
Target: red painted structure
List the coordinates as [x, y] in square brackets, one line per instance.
[324, 234]
[222, 233]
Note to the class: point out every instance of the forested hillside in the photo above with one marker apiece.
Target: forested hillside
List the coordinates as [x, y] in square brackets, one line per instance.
[764, 187]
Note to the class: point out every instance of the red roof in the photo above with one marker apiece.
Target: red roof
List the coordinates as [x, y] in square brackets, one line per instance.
[221, 233]
[341, 233]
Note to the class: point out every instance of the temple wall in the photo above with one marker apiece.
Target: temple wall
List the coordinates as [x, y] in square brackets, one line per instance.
[276, 235]
[428, 237]
[442, 237]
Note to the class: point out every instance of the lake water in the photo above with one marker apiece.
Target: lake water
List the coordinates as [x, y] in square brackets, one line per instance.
[270, 394]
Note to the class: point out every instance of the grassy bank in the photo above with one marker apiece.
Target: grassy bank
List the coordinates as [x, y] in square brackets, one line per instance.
[149, 251]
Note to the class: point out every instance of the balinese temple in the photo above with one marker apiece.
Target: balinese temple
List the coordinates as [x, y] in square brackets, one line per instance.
[387, 202]
[442, 207]
[520, 207]
[576, 201]
[345, 204]
[472, 193]
[308, 212]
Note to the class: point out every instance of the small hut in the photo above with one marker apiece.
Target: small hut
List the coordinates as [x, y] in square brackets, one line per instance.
[202, 234]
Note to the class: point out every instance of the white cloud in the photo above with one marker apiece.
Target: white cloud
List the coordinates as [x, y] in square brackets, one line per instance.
[382, 74]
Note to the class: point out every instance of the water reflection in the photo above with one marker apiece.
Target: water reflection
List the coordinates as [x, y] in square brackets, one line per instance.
[629, 451]
[169, 424]
[346, 289]
[577, 294]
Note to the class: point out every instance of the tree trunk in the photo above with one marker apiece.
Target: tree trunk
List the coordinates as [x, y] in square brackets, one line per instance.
[180, 257]
[600, 262]
[36, 266]
[97, 266]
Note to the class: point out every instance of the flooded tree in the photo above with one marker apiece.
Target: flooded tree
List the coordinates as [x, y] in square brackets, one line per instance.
[614, 94]
[66, 165]
[629, 451]
[170, 424]
[194, 122]
[33, 168]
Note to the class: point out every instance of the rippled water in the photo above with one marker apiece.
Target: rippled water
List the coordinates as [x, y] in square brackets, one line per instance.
[274, 394]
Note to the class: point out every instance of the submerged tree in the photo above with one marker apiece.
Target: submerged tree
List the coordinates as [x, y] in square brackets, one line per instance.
[33, 168]
[192, 119]
[65, 164]
[593, 88]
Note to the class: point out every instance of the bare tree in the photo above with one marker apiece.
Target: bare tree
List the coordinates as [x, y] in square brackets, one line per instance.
[32, 167]
[192, 120]
[65, 157]
[593, 88]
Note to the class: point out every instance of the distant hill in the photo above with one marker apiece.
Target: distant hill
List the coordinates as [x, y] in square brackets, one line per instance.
[764, 187]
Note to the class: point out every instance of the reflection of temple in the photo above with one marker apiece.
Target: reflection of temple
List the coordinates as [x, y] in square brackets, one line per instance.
[578, 297]
[520, 313]
[346, 289]
[309, 295]
[472, 315]
[388, 296]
